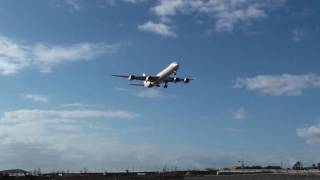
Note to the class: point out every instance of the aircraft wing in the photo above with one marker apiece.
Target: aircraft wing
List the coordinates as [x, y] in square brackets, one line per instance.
[139, 78]
[176, 79]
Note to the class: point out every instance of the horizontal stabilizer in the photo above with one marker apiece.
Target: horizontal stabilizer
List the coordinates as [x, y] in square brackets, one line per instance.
[136, 84]
[123, 76]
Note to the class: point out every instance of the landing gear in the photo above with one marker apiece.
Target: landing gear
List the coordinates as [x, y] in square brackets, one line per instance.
[165, 85]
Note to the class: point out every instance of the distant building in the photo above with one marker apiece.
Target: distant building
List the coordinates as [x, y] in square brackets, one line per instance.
[14, 172]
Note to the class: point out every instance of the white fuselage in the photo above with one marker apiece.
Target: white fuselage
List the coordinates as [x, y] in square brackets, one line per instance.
[165, 73]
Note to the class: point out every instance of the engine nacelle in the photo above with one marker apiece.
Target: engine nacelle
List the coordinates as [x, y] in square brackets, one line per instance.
[131, 77]
[148, 78]
[147, 84]
[175, 79]
[186, 80]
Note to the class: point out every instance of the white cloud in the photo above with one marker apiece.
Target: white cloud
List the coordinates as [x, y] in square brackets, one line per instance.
[170, 7]
[60, 140]
[150, 93]
[229, 14]
[113, 2]
[158, 28]
[74, 4]
[76, 105]
[46, 56]
[134, 1]
[297, 35]
[24, 115]
[239, 113]
[15, 56]
[279, 85]
[64, 140]
[145, 93]
[311, 134]
[226, 13]
[36, 98]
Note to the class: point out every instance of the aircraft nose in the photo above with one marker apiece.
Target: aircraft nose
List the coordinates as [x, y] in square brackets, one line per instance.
[175, 64]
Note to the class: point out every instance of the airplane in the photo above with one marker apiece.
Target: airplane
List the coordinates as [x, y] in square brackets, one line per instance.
[163, 77]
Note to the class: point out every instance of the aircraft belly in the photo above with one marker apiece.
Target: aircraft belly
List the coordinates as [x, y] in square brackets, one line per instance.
[163, 76]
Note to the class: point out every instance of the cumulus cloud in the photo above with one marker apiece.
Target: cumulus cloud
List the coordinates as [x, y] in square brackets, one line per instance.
[170, 7]
[15, 56]
[238, 114]
[279, 85]
[59, 139]
[158, 28]
[73, 139]
[36, 98]
[46, 55]
[226, 13]
[310, 134]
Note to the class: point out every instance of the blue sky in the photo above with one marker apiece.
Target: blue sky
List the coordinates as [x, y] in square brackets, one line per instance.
[255, 97]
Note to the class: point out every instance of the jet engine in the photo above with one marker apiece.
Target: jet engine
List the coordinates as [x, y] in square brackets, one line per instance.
[186, 80]
[131, 77]
[175, 79]
[148, 78]
[147, 84]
